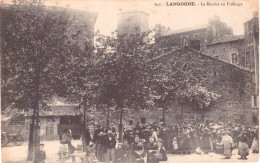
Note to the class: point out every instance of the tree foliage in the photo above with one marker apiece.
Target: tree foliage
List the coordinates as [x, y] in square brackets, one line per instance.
[35, 46]
[124, 73]
[182, 79]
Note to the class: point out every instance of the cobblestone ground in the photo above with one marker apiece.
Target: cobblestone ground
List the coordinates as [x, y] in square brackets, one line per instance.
[14, 154]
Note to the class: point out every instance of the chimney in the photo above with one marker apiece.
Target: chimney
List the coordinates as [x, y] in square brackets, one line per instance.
[216, 18]
[255, 14]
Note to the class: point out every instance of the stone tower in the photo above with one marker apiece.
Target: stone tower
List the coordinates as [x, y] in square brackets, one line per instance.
[251, 33]
[132, 22]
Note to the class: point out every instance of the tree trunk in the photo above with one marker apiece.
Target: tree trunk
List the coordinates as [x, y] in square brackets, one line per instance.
[34, 137]
[84, 127]
[181, 117]
[121, 125]
[108, 109]
[163, 113]
[30, 144]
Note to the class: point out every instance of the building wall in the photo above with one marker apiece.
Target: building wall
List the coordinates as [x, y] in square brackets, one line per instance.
[129, 21]
[215, 28]
[175, 40]
[224, 51]
[251, 32]
[44, 123]
[233, 83]
[81, 29]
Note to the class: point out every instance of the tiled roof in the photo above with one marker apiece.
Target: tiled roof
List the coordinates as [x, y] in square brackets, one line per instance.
[58, 108]
[187, 29]
[200, 53]
[227, 38]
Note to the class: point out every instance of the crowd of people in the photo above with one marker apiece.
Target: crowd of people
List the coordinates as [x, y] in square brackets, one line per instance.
[135, 148]
[153, 141]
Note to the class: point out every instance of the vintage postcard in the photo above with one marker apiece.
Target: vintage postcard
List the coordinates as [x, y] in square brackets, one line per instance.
[120, 81]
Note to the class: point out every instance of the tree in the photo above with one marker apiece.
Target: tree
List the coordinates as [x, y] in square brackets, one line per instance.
[181, 79]
[80, 78]
[124, 71]
[35, 45]
[160, 30]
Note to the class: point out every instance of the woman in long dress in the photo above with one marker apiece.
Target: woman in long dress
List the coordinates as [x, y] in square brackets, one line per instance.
[160, 154]
[205, 141]
[227, 143]
[101, 148]
[243, 149]
[255, 144]
[66, 139]
[151, 147]
[137, 151]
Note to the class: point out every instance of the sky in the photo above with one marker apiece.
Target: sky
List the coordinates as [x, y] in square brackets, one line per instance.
[175, 17]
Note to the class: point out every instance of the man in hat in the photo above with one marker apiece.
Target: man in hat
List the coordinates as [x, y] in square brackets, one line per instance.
[96, 132]
[87, 136]
[110, 143]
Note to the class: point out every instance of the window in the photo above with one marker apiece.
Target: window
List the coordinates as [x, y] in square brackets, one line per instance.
[247, 59]
[251, 38]
[224, 50]
[184, 41]
[214, 73]
[213, 52]
[27, 125]
[196, 36]
[252, 53]
[255, 101]
[234, 58]
[216, 56]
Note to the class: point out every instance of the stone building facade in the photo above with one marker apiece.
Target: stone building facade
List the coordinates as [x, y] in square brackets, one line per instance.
[232, 82]
[251, 33]
[132, 21]
[229, 48]
[241, 50]
[196, 37]
[55, 120]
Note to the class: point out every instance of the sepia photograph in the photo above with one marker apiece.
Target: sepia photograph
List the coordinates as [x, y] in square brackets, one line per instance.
[120, 81]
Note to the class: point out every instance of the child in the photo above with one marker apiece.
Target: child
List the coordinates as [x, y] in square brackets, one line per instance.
[41, 155]
[175, 145]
